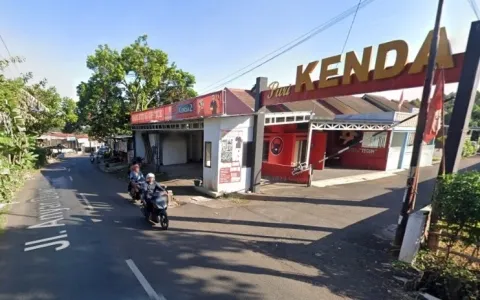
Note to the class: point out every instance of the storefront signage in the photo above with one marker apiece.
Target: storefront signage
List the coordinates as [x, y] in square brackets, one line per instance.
[231, 154]
[186, 108]
[203, 106]
[357, 76]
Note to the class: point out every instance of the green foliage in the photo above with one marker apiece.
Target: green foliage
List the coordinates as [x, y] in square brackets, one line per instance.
[458, 206]
[446, 279]
[41, 157]
[19, 113]
[136, 78]
[453, 273]
[57, 113]
[469, 149]
[475, 118]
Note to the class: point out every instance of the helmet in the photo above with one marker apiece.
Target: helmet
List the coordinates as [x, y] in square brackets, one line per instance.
[150, 175]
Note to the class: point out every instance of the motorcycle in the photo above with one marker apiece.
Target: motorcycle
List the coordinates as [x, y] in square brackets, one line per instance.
[159, 207]
[92, 159]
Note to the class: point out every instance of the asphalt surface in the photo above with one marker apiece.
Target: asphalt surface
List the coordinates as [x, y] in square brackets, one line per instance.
[59, 246]
[74, 235]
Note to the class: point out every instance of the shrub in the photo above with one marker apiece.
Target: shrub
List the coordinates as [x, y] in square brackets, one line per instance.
[41, 157]
[457, 201]
[454, 272]
[469, 148]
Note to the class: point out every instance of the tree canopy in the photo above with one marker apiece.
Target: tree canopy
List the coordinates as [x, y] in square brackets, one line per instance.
[475, 118]
[133, 79]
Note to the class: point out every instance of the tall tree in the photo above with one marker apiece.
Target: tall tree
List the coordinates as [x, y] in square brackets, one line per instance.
[136, 78]
[59, 110]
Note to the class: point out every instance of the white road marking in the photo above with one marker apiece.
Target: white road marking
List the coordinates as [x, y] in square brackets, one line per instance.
[89, 206]
[70, 177]
[146, 286]
[46, 239]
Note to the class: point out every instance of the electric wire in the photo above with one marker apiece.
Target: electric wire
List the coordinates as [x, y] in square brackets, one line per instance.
[10, 58]
[302, 39]
[474, 7]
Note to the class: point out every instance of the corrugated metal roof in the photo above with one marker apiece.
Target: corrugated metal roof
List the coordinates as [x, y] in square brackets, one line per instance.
[244, 96]
[329, 107]
[339, 106]
[358, 104]
[386, 104]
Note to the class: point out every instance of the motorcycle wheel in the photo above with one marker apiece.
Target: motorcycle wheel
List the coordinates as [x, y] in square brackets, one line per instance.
[164, 221]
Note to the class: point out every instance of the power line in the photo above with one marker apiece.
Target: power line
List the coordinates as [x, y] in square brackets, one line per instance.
[8, 52]
[474, 7]
[274, 51]
[300, 40]
[350, 29]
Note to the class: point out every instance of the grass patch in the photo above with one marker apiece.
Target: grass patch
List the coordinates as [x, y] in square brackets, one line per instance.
[235, 198]
[3, 220]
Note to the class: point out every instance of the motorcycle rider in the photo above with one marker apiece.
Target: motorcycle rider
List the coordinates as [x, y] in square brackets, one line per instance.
[149, 189]
[135, 177]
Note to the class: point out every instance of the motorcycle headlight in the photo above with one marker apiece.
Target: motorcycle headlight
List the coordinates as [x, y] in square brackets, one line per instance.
[162, 201]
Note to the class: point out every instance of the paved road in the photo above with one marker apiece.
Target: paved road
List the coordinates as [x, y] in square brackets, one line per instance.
[73, 235]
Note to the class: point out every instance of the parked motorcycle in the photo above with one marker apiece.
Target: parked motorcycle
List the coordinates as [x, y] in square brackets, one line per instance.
[158, 213]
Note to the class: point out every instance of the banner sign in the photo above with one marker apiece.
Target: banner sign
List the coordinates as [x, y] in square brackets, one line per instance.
[357, 78]
[202, 106]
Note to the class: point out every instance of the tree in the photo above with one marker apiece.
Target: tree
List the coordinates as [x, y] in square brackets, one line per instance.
[18, 109]
[475, 117]
[135, 78]
[59, 110]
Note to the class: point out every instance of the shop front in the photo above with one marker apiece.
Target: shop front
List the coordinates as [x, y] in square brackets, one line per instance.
[192, 138]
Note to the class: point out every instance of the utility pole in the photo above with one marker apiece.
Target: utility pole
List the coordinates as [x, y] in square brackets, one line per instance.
[412, 181]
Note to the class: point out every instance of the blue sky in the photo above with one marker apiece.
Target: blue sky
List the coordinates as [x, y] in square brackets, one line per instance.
[212, 38]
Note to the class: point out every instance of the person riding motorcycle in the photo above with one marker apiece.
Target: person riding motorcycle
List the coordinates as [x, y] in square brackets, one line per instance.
[135, 178]
[150, 187]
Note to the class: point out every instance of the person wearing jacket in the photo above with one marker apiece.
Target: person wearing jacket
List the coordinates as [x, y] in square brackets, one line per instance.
[135, 177]
[150, 187]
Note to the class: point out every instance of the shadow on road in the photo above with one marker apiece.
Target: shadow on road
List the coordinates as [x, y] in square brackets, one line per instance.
[351, 262]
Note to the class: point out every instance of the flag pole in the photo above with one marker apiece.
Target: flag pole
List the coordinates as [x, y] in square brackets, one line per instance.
[432, 236]
[412, 181]
[444, 138]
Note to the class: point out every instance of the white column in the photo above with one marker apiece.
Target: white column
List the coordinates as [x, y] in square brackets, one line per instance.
[309, 142]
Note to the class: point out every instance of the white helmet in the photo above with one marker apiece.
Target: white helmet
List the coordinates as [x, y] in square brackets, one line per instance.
[150, 175]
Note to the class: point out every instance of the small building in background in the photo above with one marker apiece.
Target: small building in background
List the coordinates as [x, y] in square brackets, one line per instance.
[70, 142]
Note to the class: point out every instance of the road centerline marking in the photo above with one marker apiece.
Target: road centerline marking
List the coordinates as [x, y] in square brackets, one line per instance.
[143, 281]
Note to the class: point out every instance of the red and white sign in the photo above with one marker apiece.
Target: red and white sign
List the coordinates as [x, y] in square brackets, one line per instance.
[435, 110]
[203, 106]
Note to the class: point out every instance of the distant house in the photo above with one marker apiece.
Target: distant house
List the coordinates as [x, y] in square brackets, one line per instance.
[79, 142]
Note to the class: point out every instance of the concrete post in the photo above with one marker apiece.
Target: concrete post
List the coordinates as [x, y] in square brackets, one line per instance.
[414, 234]
[258, 134]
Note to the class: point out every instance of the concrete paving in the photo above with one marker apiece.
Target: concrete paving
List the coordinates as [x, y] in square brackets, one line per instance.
[316, 243]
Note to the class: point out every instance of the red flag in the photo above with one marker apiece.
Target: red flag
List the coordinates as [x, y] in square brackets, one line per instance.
[435, 109]
[400, 102]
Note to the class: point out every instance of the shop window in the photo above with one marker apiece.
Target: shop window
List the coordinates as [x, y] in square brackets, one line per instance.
[300, 152]
[266, 150]
[208, 154]
[370, 140]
